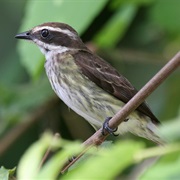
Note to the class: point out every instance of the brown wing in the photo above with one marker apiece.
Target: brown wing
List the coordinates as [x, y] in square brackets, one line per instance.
[107, 77]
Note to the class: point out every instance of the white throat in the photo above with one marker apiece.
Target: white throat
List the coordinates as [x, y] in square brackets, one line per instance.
[48, 48]
[58, 49]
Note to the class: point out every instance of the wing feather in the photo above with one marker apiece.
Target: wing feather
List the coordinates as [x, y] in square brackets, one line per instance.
[108, 78]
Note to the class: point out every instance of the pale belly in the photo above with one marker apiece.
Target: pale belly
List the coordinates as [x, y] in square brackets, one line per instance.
[88, 100]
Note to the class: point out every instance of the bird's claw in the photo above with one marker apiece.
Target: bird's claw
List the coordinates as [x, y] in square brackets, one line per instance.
[107, 128]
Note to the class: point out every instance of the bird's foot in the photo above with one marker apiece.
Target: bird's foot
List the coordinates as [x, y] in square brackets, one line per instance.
[107, 128]
[72, 158]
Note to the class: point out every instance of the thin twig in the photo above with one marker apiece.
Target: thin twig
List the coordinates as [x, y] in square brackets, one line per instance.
[56, 135]
[97, 138]
[69, 164]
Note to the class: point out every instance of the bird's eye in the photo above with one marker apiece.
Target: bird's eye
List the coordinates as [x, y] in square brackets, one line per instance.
[44, 33]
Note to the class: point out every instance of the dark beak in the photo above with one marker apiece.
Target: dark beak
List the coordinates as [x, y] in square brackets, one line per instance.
[24, 35]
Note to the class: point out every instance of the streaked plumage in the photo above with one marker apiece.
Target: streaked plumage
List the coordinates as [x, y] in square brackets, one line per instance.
[86, 83]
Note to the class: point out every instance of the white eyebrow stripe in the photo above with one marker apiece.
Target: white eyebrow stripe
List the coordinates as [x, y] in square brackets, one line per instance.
[65, 31]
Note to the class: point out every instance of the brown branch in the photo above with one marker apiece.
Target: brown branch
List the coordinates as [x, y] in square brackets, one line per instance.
[97, 138]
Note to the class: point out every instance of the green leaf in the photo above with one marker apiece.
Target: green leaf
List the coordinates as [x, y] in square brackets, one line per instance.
[166, 168]
[108, 163]
[29, 165]
[6, 174]
[52, 168]
[17, 101]
[164, 14]
[116, 27]
[79, 14]
[116, 3]
[170, 129]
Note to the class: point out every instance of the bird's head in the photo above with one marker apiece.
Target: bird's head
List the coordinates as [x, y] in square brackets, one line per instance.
[53, 36]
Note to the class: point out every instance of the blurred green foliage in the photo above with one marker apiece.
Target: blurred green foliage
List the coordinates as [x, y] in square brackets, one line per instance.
[136, 36]
[106, 163]
[6, 174]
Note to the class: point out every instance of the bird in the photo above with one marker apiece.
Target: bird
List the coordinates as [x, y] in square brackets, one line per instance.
[88, 84]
